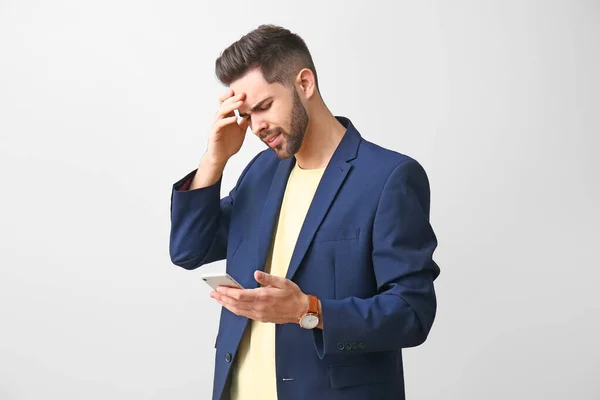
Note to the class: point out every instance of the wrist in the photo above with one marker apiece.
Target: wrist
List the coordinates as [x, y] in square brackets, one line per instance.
[209, 172]
[303, 307]
[209, 161]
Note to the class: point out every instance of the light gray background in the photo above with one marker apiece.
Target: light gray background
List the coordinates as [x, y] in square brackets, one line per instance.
[104, 105]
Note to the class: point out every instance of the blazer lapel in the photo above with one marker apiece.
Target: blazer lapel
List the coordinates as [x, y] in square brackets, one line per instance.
[270, 212]
[333, 178]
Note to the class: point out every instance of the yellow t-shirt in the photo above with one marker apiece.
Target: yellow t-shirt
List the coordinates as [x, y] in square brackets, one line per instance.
[253, 374]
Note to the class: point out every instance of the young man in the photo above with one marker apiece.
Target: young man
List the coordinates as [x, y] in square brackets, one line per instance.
[327, 232]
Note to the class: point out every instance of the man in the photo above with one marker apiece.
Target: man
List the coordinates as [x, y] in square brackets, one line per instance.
[327, 232]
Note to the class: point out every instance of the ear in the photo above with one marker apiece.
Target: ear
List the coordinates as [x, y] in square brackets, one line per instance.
[305, 83]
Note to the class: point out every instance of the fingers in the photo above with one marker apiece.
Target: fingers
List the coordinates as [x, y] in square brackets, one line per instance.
[245, 295]
[231, 304]
[239, 301]
[271, 280]
[229, 97]
[229, 103]
[229, 94]
[225, 95]
[228, 106]
[220, 123]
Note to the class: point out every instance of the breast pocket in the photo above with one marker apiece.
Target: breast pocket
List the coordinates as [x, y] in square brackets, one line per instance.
[336, 234]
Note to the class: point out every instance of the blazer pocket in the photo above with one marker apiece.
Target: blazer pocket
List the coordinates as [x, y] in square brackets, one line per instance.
[342, 376]
[329, 234]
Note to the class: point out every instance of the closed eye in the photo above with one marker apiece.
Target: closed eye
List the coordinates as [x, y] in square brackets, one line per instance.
[265, 108]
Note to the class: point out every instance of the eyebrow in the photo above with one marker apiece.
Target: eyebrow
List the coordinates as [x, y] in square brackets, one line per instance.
[256, 106]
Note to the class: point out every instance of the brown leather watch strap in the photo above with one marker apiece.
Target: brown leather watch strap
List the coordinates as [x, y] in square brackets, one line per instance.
[313, 305]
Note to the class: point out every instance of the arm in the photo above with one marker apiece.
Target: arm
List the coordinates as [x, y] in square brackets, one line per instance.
[200, 219]
[402, 312]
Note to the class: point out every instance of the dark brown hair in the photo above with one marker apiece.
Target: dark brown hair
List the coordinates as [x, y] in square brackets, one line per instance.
[279, 53]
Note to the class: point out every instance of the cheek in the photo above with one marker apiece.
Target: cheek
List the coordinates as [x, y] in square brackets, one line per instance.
[281, 115]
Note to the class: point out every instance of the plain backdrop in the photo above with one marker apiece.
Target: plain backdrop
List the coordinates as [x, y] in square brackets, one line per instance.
[104, 105]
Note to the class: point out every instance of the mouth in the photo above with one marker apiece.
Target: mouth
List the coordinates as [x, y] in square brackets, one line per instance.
[273, 140]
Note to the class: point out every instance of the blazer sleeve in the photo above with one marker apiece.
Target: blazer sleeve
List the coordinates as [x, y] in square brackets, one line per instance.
[402, 312]
[200, 221]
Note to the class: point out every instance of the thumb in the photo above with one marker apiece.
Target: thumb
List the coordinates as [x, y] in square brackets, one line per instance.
[269, 280]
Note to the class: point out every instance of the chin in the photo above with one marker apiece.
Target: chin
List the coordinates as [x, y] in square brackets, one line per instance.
[282, 151]
[282, 154]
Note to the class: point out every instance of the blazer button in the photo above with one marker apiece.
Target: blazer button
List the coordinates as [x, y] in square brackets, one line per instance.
[340, 346]
[354, 346]
[228, 357]
[348, 346]
[362, 346]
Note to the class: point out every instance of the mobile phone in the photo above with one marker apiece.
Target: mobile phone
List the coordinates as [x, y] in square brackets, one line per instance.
[221, 279]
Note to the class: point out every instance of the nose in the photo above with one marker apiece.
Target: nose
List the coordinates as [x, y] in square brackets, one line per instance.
[258, 127]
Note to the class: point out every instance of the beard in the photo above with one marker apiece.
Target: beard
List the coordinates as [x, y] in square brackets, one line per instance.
[292, 140]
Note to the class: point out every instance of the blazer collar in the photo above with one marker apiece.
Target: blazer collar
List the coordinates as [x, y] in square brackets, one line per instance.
[348, 148]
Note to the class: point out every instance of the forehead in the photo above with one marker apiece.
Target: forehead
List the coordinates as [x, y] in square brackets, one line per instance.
[255, 87]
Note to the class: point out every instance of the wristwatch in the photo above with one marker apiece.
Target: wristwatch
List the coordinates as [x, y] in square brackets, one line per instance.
[310, 319]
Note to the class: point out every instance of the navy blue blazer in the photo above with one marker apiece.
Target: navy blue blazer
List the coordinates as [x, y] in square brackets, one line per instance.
[365, 250]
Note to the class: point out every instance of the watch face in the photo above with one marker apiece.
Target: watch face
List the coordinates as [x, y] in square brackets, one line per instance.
[309, 321]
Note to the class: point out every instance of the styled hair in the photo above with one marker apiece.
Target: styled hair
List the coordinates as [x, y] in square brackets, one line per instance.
[279, 53]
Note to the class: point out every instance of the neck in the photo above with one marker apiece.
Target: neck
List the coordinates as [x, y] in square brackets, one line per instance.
[323, 134]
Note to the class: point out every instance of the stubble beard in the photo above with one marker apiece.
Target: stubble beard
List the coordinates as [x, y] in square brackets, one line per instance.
[292, 141]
